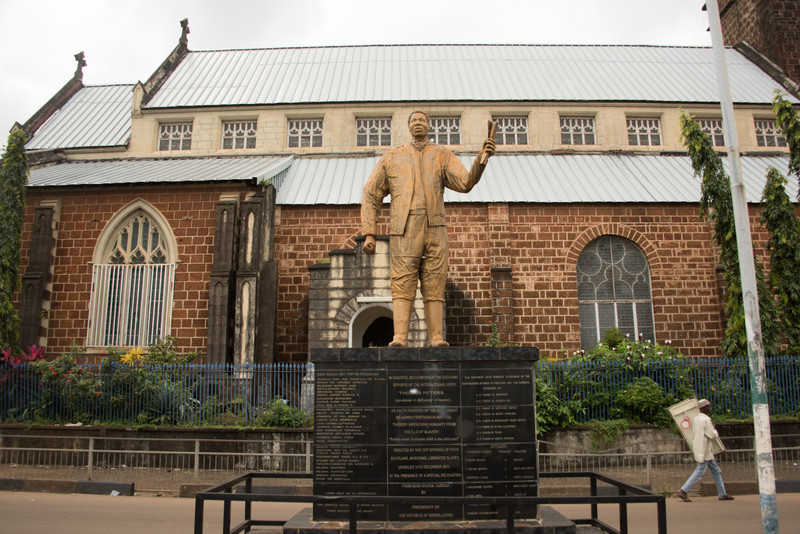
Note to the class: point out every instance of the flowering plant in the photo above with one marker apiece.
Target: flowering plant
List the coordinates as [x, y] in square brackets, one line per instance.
[13, 356]
[133, 356]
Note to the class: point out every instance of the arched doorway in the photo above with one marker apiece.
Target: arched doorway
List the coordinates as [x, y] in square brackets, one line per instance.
[379, 333]
[372, 326]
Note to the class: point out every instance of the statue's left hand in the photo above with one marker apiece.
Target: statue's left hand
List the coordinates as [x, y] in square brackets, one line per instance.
[369, 244]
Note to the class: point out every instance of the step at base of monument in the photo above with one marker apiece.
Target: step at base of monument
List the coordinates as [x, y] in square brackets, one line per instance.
[550, 522]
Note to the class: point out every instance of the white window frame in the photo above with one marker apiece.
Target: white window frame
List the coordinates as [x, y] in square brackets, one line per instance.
[511, 130]
[644, 131]
[174, 136]
[768, 134]
[239, 135]
[304, 133]
[445, 130]
[374, 131]
[133, 279]
[578, 130]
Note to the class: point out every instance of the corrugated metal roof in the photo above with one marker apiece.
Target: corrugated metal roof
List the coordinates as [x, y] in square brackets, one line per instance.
[158, 171]
[96, 116]
[404, 73]
[540, 178]
[535, 178]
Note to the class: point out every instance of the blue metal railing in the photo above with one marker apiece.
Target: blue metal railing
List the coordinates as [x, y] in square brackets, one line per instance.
[281, 394]
[593, 386]
[187, 394]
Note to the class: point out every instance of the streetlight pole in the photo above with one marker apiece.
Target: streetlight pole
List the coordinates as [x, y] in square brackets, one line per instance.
[755, 345]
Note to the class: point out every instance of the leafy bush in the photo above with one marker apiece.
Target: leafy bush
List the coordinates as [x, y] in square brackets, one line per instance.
[164, 351]
[644, 401]
[279, 414]
[551, 412]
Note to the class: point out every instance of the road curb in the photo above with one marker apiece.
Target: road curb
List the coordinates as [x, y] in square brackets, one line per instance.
[92, 487]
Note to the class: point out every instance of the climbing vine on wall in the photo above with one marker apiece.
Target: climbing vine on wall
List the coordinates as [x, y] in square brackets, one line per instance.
[13, 180]
[716, 206]
[786, 118]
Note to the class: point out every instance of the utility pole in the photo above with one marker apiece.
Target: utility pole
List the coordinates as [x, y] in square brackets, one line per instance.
[755, 345]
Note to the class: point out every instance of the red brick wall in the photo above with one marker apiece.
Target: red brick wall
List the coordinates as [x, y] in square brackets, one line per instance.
[771, 26]
[541, 243]
[85, 212]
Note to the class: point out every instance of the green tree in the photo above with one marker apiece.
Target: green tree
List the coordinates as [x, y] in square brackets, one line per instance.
[716, 206]
[786, 118]
[13, 180]
[779, 217]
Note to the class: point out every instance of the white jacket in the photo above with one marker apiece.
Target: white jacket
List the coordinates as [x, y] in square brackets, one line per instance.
[704, 432]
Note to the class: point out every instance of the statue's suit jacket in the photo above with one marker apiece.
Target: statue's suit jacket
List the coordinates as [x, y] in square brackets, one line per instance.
[394, 175]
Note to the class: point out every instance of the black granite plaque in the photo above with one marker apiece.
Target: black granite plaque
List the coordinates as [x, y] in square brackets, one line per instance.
[417, 422]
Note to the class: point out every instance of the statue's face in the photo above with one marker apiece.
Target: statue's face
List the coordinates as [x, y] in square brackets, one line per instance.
[418, 125]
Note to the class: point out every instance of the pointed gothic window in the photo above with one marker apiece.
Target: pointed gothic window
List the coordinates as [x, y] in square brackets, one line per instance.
[132, 283]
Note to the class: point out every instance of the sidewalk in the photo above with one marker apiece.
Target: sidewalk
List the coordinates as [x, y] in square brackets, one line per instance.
[44, 513]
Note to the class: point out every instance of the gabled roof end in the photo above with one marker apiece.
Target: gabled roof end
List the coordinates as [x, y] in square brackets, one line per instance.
[157, 79]
[768, 66]
[58, 100]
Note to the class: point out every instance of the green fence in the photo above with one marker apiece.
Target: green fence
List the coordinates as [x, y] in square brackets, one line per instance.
[594, 387]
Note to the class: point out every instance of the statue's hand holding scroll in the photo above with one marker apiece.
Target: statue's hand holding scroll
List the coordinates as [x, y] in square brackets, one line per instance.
[488, 148]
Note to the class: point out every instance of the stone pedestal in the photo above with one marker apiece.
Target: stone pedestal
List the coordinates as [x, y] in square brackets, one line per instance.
[425, 422]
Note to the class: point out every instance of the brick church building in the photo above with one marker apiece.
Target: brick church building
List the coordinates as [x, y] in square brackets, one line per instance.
[218, 201]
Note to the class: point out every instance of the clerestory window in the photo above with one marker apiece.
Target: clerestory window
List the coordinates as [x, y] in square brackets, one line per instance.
[768, 133]
[713, 129]
[445, 130]
[644, 132]
[374, 132]
[239, 134]
[175, 136]
[305, 133]
[511, 130]
[577, 130]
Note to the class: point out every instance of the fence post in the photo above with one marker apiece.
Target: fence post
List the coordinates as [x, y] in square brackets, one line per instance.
[308, 456]
[196, 459]
[647, 449]
[90, 463]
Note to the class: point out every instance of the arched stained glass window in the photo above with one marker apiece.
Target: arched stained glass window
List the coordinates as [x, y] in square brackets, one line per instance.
[132, 280]
[614, 290]
[139, 241]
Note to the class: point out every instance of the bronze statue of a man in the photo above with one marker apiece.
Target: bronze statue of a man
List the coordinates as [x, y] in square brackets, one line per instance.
[415, 175]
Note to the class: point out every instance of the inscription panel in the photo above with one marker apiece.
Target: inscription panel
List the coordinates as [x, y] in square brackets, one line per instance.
[442, 428]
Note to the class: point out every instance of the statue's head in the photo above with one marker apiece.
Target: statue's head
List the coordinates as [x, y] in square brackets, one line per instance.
[418, 124]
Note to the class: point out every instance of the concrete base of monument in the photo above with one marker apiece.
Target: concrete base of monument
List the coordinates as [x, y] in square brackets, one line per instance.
[549, 522]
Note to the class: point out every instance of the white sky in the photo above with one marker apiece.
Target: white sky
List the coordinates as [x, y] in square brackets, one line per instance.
[126, 40]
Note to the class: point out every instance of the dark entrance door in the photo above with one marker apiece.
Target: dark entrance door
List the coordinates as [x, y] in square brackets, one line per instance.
[379, 333]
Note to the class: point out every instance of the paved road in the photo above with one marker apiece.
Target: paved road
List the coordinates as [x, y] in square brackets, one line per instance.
[45, 513]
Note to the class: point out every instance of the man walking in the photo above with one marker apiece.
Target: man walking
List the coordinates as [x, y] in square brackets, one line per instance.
[704, 432]
[415, 175]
